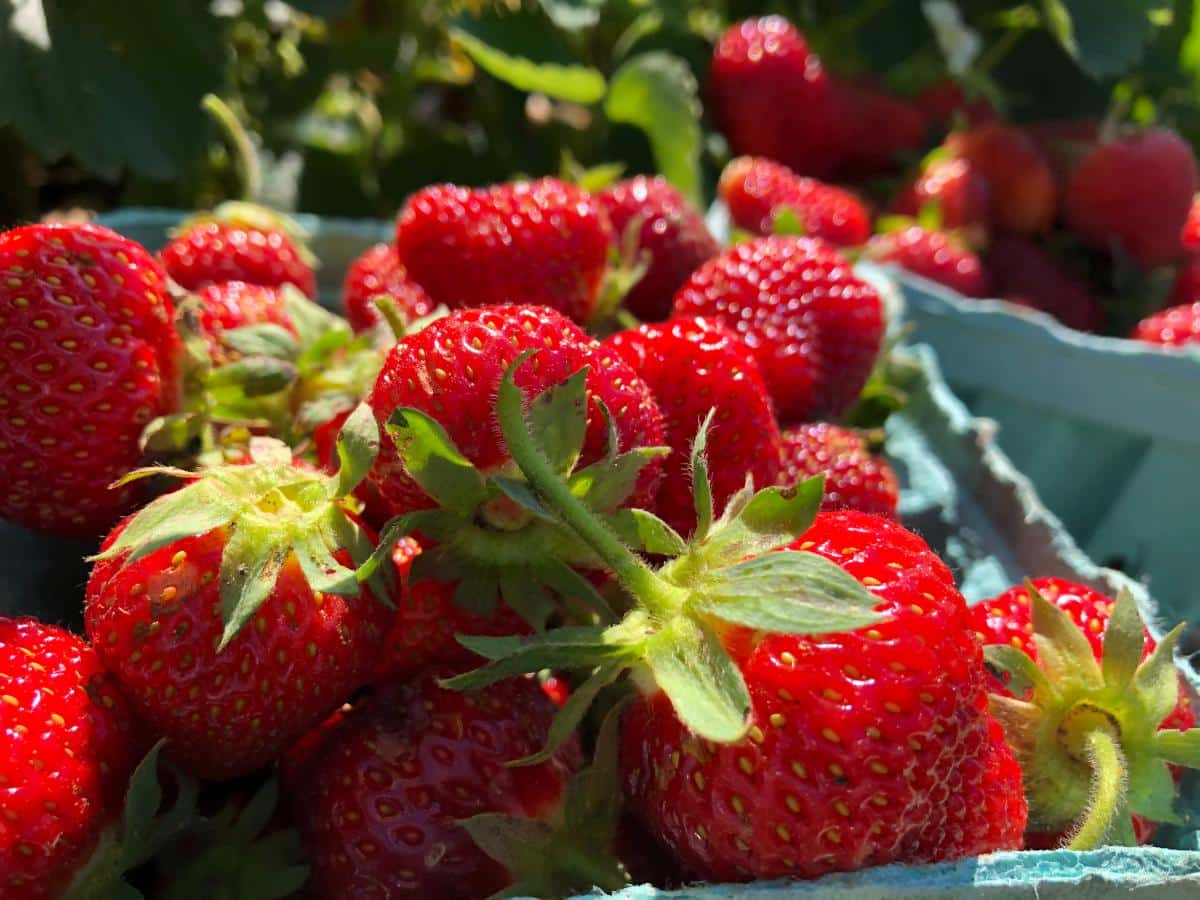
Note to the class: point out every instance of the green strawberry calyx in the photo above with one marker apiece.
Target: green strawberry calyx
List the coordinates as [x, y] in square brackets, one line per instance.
[724, 577]
[1086, 732]
[273, 510]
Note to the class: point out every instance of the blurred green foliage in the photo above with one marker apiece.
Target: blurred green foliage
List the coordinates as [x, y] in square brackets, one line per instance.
[358, 102]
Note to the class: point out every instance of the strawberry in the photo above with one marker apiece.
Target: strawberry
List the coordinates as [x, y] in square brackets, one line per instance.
[1186, 288]
[1064, 143]
[943, 102]
[239, 242]
[91, 356]
[694, 365]
[380, 803]
[884, 130]
[378, 272]
[236, 304]
[1024, 273]
[1190, 234]
[227, 612]
[962, 196]
[815, 328]
[1093, 707]
[762, 66]
[757, 190]
[68, 744]
[854, 478]
[1022, 184]
[934, 255]
[1133, 195]
[1176, 326]
[669, 230]
[544, 243]
[809, 695]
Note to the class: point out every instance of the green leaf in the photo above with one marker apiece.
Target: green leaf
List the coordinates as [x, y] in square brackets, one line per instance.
[357, 447]
[523, 50]
[704, 686]
[701, 486]
[520, 493]
[254, 376]
[1023, 673]
[1064, 654]
[788, 223]
[597, 178]
[558, 418]
[789, 592]
[194, 509]
[321, 570]
[477, 592]
[657, 92]
[573, 15]
[262, 340]
[515, 842]
[142, 800]
[172, 433]
[567, 719]
[1152, 790]
[605, 485]
[311, 321]
[646, 532]
[1179, 747]
[560, 648]
[250, 564]
[1156, 682]
[1105, 37]
[774, 517]
[1124, 640]
[592, 805]
[521, 591]
[432, 460]
[568, 583]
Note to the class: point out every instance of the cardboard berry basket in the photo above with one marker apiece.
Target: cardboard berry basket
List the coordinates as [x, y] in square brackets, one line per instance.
[959, 491]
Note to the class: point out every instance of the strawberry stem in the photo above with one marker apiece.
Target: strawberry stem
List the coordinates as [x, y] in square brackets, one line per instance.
[1109, 778]
[244, 150]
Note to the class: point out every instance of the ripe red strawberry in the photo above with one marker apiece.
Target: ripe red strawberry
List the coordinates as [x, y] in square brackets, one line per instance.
[1022, 272]
[1176, 326]
[544, 243]
[1064, 143]
[761, 67]
[670, 230]
[1022, 185]
[1087, 648]
[943, 101]
[379, 272]
[885, 129]
[1134, 194]
[963, 196]
[757, 190]
[694, 365]
[380, 801]
[1190, 235]
[90, 356]
[934, 255]
[854, 478]
[227, 613]
[814, 327]
[68, 744]
[239, 242]
[1186, 288]
[236, 304]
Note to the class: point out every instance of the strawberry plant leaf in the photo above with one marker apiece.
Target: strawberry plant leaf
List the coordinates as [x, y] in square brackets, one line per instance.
[357, 446]
[605, 485]
[262, 340]
[705, 687]
[657, 93]
[558, 416]
[1105, 37]
[789, 592]
[646, 532]
[524, 50]
[568, 718]
[432, 460]
[1179, 747]
[772, 518]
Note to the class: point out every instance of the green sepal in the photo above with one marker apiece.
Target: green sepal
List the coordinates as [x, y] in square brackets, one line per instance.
[477, 592]
[1064, 654]
[567, 719]
[435, 463]
[171, 433]
[526, 596]
[268, 340]
[605, 485]
[701, 488]
[268, 451]
[357, 447]
[646, 532]
[1124, 640]
[392, 531]
[251, 562]
[787, 222]
[1181, 748]
[704, 685]
[341, 530]
[1152, 789]
[521, 494]
[321, 570]
[570, 585]
[558, 416]
[311, 321]
[772, 518]
[1023, 674]
[253, 376]
[570, 647]
[788, 592]
[1156, 681]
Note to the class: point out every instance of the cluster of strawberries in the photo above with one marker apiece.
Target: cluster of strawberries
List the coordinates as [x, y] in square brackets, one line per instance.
[1048, 215]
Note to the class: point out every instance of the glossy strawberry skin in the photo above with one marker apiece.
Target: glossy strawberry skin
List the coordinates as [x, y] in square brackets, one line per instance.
[540, 242]
[451, 370]
[1134, 194]
[760, 67]
[962, 195]
[68, 743]
[1022, 272]
[814, 328]
[1176, 326]
[90, 357]
[236, 304]
[757, 190]
[156, 624]
[854, 478]
[212, 252]
[378, 271]
[1023, 197]
[867, 747]
[1007, 619]
[378, 801]
[672, 231]
[693, 365]
[933, 255]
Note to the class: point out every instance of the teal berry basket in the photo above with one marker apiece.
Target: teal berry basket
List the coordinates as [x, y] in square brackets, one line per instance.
[960, 491]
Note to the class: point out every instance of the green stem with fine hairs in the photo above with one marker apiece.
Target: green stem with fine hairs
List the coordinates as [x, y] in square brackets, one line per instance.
[1109, 777]
[244, 150]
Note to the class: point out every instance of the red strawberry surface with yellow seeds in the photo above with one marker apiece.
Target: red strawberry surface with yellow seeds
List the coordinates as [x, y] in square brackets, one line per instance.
[694, 365]
[1176, 326]
[813, 326]
[933, 255]
[541, 242]
[866, 747]
[1023, 196]
[90, 357]
[236, 304]
[378, 272]
[962, 195]
[669, 229]
[758, 190]
[854, 478]
[380, 799]
[212, 251]
[68, 743]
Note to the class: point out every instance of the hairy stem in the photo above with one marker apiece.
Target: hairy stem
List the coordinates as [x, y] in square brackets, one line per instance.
[1109, 778]
[244, 150]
